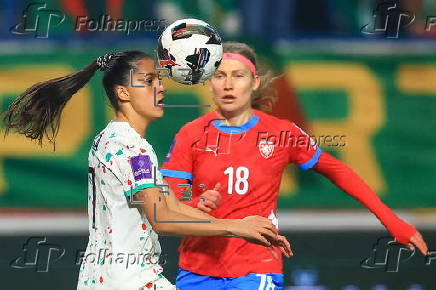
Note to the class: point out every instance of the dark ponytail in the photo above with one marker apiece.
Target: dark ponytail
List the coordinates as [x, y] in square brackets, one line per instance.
[36, 112]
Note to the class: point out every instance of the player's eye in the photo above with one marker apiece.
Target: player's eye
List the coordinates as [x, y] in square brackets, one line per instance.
[149, 81]
[219, 76]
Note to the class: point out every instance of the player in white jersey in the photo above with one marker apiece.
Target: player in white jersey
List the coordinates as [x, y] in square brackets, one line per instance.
[128, 203]
[122, 244]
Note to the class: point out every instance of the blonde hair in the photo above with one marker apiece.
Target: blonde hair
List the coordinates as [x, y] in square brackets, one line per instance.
[265, 96]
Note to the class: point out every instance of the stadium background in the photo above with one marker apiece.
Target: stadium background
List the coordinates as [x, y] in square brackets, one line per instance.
[378, 93]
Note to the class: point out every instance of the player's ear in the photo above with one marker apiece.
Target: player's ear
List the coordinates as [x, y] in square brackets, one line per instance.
[256, 82]
[122, 93]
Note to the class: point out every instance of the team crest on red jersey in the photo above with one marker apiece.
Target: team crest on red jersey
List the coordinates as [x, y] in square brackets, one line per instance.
[266, 148]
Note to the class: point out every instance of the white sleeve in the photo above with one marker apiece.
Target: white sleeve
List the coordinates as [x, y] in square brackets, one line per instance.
[137, 164]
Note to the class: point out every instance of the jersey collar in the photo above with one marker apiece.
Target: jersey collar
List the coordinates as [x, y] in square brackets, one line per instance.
[236, 129]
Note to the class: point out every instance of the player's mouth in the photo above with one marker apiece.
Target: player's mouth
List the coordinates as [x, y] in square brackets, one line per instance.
[160, 101]
[228, 99]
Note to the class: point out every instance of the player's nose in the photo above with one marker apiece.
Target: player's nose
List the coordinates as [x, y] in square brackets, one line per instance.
[160, 89]
[228, 84]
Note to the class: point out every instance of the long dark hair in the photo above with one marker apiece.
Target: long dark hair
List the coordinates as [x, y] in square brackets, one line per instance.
[265, 96]
[37, 111]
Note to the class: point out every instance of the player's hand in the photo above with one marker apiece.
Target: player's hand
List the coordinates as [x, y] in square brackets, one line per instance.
[417, 241]
[255, 229]
[409, 236]
[210, 199]
[283, 244]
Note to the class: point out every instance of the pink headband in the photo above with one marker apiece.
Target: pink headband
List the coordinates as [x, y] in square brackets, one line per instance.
[241, 58]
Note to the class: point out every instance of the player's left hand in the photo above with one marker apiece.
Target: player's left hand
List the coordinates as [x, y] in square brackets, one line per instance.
[418, 241]
[210, 199]
[280, 242]
[283, 244]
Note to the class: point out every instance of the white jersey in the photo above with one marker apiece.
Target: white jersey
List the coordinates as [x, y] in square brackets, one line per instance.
[123, 250]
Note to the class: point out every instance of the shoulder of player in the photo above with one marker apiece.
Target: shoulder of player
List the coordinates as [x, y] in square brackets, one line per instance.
[120, 139]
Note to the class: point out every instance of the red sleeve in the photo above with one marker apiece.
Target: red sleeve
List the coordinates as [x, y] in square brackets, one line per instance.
[178, 163]
[303, 150]
[182, 192]
[177, 168]
[347, 180]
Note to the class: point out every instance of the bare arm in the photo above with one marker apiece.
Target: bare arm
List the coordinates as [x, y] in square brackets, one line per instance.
[167, 221]
[206, 202]
[181, 207]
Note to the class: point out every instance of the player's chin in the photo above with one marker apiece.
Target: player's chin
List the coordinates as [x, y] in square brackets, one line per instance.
[229, 107]
[156, 113]
[159, 112]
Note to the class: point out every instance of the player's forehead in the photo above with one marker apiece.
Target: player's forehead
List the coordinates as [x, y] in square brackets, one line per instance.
[145, 66]
[231, 66]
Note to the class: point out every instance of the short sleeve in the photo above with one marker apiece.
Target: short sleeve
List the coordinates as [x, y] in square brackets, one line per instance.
[137, 164]
[303, 149]
[178, 162]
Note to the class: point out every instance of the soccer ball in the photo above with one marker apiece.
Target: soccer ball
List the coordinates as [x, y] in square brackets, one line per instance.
[191, 50]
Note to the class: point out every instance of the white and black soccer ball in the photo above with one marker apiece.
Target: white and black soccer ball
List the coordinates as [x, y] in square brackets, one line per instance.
[191, 50]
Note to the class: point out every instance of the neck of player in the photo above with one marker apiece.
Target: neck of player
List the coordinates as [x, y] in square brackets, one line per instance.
[137, 122]
[235, 118]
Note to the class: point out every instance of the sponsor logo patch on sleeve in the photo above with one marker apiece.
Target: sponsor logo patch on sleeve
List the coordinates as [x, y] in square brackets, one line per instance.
[141, 167]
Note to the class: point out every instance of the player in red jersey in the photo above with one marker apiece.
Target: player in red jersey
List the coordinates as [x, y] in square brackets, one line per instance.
[242, 152]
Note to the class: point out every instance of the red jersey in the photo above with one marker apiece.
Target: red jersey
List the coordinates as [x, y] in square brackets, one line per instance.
[248, 161]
